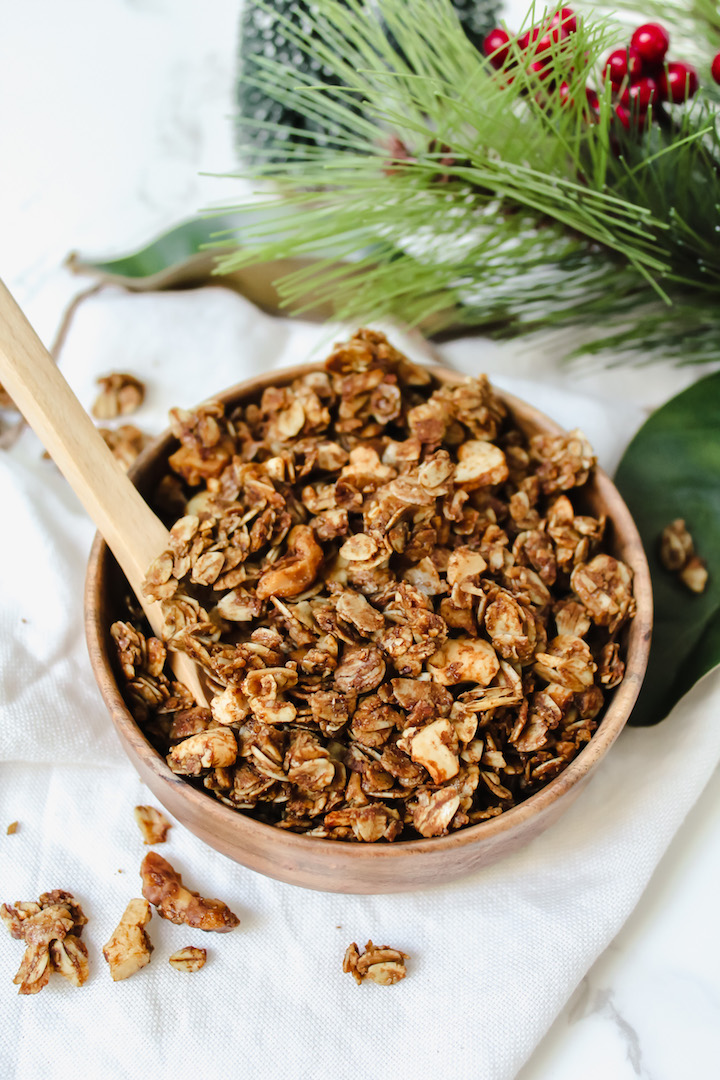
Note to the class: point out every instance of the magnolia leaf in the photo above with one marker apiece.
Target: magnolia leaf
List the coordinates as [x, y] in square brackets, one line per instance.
[671, 470]
[186, 257]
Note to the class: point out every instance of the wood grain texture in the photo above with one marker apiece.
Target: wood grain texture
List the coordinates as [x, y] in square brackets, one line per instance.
[336, 866]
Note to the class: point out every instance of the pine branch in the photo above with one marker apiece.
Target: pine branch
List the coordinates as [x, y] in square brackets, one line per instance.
[444, 192]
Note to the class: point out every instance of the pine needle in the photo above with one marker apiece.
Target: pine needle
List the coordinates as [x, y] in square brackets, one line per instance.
[444, 192]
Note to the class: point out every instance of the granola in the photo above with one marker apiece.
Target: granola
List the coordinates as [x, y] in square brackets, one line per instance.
[120, 394]
[153, 825]
[379, 963]
[404, 603]
[51, 929]
[129, 948]
[163, 888]
[677, 554]
[191, 958]
[126, 442]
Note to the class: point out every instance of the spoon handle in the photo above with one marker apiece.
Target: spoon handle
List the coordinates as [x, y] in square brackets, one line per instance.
[27, 371]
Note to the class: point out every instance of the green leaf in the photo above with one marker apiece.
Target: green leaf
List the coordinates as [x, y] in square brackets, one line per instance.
[186, 257]
[671, 470]
[174, 254]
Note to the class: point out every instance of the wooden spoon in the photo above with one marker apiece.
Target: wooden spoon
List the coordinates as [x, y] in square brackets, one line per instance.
[132, 531]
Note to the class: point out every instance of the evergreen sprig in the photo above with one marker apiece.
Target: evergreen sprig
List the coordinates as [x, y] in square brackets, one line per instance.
[446, 193]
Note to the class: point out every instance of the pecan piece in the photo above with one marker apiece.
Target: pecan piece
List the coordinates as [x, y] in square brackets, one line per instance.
[435, 748]
[480, 464]
[464, 660]
[296, 571]
[163, 887]
[128, 948]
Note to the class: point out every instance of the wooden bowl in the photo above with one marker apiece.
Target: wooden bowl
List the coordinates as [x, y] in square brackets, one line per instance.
[339, 866]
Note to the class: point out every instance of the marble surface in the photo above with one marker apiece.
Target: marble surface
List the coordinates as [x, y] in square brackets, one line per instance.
[113, 115]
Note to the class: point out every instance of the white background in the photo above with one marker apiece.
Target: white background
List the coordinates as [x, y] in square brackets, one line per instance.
[110, 113]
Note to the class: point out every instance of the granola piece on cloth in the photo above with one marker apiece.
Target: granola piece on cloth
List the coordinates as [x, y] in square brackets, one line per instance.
[163, 887]
[120, 394]
[129, 947]
[51, 929]
[379, 963]
[191, 958]
[153, 825]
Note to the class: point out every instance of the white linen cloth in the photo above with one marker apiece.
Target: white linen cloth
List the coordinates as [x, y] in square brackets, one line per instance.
[493, 957]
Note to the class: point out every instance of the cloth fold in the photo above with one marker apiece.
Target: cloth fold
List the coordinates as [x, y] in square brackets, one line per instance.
[493, 957]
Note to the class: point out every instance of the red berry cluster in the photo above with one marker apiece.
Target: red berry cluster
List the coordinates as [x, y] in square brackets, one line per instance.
[642, 77]
[715, 69]
[535, 46]
[639, 74]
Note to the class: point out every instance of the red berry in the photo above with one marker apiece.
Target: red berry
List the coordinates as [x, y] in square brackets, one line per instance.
[592, 98]
[623, 62]
[651, 40]
[678, 82]
[715, 69]
[566, 20]
[545, 42]
[641, 94]
[539, 69]
[623, 116]
[529, 36]
[631, 119]
[496, 46]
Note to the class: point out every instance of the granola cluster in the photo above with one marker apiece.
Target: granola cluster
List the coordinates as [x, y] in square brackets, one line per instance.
[378, 963]
[126, 442]
[51, 929]
[120, 394]
[129, 948]
[410, 621]
[677, 554]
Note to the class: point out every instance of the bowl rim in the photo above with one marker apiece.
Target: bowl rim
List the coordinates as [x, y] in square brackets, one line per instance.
[614, 719]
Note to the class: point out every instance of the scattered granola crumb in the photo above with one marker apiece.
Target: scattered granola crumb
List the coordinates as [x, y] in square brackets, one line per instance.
[163, 887]
[51, 929]
[120, 395]
[677, 554]
[379, 963]
[129, 947]
[126, 442]
[12, 828]
[153, 825]
[694, 574]
[191, 958]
